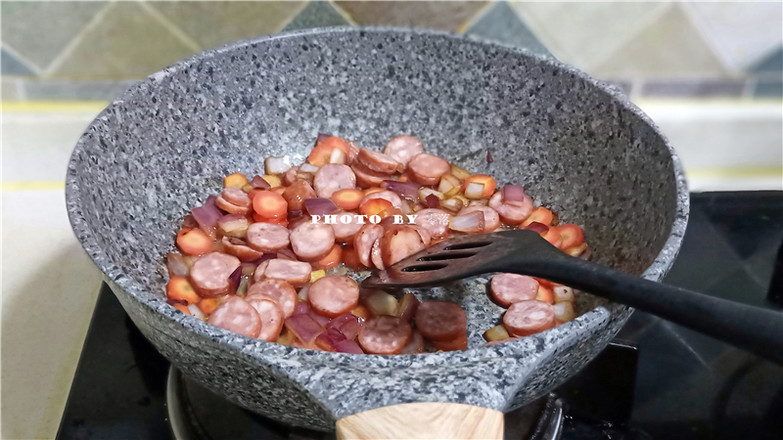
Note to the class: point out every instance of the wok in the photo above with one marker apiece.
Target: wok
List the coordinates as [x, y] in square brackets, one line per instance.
[577, 145]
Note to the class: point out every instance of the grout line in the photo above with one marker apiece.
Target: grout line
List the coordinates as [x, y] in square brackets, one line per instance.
[484, 10]
[76, 40]
[22, 59]
[170, 26]
[344, 13]
[292, 17]
[703, 30]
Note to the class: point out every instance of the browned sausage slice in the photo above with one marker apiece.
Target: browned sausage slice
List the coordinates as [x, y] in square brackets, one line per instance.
[491, 217]
[378, 162]
[236, 315]
[389, 196]
[279, 291]
[427, 169]
[384, 335]
[440, 320]
[312, 241]
[402, 148]
[295, 195]
[345, 232]
[296, 273]
[231, 208]
[366, 177]
[364, 240]
[376, 255]
[510, 288]
[267, 237]
[271, 317]
[210, 273]
[415, 345]
[238, 248]
[435, 221]
[398, 242]
[236, 196]
[333, 177]
[333, 295]
[527, 317]
[511, 212]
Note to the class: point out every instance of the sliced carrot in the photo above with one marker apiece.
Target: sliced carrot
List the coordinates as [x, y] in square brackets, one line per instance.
[182, 308]
[332, 259]
[545, 294]
[322, 152]
[552, 235]
[270, 204]
[273, 180]
[576, 251]
[280, 190]
[252, 193]
[404, 177]
[348, 199]
[179, 288]
[372, 190]
[237, 179]
[571, 234]
[208, 305]
[375, 206]
[282, 221]
[541, 215]
[351, 259]
[194, 241]
[489, 184]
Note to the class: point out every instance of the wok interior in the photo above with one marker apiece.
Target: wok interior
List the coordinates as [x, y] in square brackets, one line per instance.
[159, 151]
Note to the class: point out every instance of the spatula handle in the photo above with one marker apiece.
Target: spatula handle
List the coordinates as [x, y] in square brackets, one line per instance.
[430, 420]
[754, 329]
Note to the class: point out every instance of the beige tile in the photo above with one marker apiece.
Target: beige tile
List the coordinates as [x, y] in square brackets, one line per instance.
[128, 43]
[435, 15]
[10, 89]
[214, 23]
[40, 30]
[49, 291]
[585, 33]
[668, 47]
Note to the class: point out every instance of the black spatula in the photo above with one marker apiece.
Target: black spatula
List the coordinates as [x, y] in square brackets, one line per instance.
[525, 252]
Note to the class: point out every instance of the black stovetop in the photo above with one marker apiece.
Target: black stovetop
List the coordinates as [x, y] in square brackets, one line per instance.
[686, 385]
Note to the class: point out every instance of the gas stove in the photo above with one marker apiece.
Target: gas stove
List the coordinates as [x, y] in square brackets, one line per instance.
[657, 380]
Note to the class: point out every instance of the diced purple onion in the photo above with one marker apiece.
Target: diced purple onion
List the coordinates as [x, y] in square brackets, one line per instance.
[319, 206]
[266, 256]
[234, 225]
[538, 227]
[304, 327]
[321, 137]
[177, 265]
[408, 190]
[294, 214]
[513, 193]
[259, 182]
[248, 268]
[172, 302]
[470, 223]
[432, 201]
[490, 159]
[348, 346]
[207, 215]
[236, 276]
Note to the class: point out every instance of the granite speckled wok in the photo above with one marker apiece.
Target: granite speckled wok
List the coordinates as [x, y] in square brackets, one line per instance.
[573, 142]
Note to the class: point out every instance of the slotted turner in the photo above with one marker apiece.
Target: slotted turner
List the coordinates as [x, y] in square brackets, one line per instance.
[525, 252]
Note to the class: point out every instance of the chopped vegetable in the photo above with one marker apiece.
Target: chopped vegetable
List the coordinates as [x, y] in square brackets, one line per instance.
[449, 185]
[564, 311]
[540, 215]
[496, 333]
[273, 180]
[276, 165]
[331, 260]
[376, 207]
[382, 303]
[237, 179]
[459, 173]
[348, 199]
[270, 205]
[479, 186]
[571, 234]
[179, 288]
[194, 242]
[472, 222]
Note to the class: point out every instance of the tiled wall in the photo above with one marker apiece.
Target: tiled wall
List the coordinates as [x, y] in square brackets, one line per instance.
[92, 50]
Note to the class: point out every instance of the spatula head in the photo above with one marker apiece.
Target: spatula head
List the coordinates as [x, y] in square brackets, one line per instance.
[459, 257]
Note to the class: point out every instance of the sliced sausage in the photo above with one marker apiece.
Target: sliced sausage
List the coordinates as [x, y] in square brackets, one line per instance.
[279, 291]
[460, 343]
[398, 242]
[510, 288]
[296, 273]
[271, 318]
[312, 241]
[267, 237]
[333, 295]
[345, 232]
[491, 217]
[376, 256]
[295, 195]
[402, 148]
[427, 169]
[440, 320]
[435, 221]
[236, 196]
[384, 335]
[289, 177]
[238, 248]
[389, 196]
[210, 273]
[527, 317]
[231, 208]
[378, 162]
[366, 177]
[333, 177]
[236, 315]
[511, 212]
[426, 237]
[353, 152]
[364, 240]
[415, 345]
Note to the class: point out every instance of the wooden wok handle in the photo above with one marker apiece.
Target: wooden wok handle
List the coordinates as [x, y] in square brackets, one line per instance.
[426, 420]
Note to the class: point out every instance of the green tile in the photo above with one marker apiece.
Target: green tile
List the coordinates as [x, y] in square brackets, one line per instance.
[435, 15]
[214, 23]
[39, 31]
[317, 14]
[13, 65]
[128, 43]
[501, 24]
[669, 46]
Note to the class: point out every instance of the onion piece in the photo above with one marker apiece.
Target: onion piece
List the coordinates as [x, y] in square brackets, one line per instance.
[408, 305]
[304, 327]
[303, 292]
[563, 294]
[248, 268]
[195, 311]
[432, 201]
[319, 206]
[474, 190]
[321, 137]
[406, 190]
[177, 266]
[244, 283]
[302, 308]
[449, 185]
[453, 204]
[424, 192]
[459, 173]
[308, 168]
[276, 164]
[207, 215]
[259, 182]
[328, 339]
[294, 214]
[496, 333]
[564, 311]
[382, 303]
[236, 277]
[321, 320]
[538, 227]
[233, 225]
[348, 324]
[513, 193]
[337, 156]
[471, 222]
[480, 202]
[348, 346]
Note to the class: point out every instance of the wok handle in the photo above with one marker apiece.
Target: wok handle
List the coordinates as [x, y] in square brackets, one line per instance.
[750, 328]
[441, 420]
